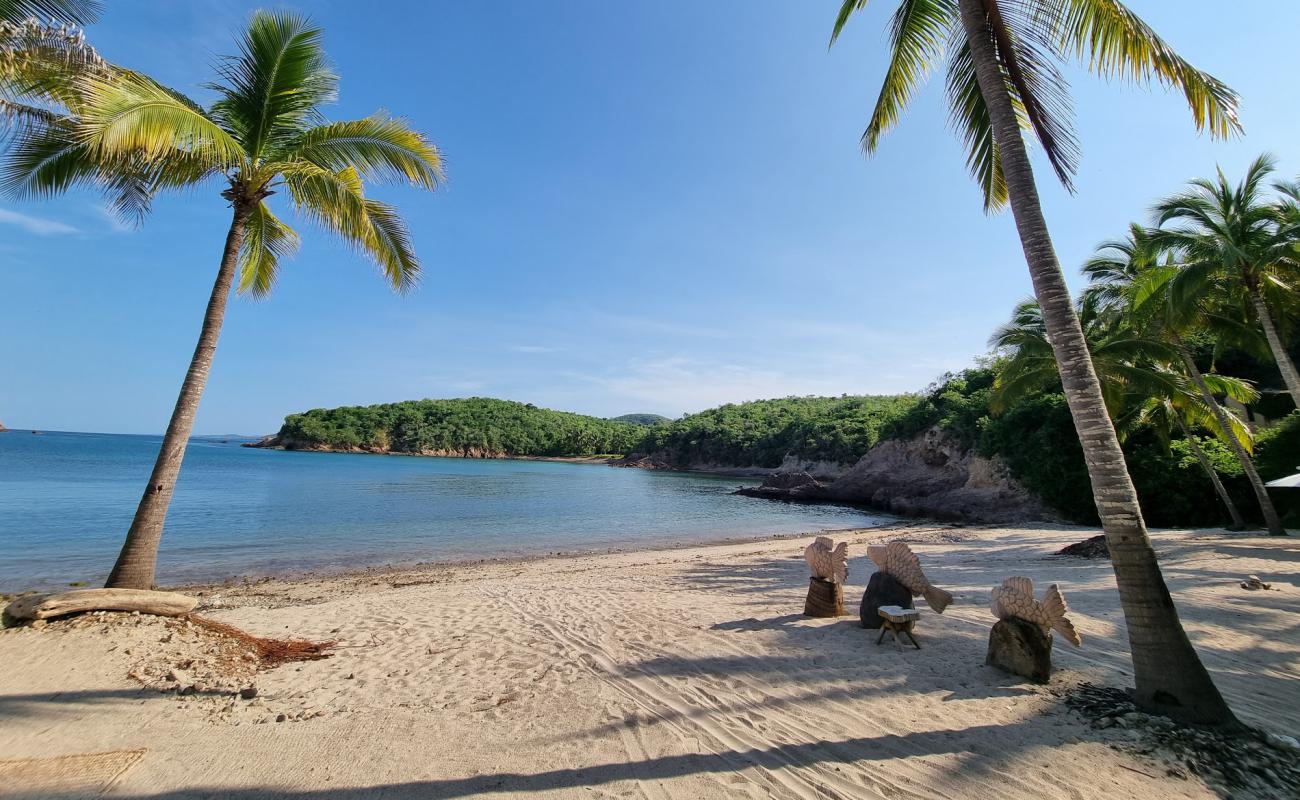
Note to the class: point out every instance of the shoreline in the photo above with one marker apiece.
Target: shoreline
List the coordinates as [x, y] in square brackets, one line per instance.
[395, 569]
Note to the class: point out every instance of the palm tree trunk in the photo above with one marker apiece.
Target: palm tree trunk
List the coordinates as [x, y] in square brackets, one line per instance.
[1284, 363]
[1261, 493]
[1168, 673]
[139, 557]
[1237, 522]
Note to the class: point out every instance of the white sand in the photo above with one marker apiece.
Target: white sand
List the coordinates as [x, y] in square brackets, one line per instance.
[685, 673]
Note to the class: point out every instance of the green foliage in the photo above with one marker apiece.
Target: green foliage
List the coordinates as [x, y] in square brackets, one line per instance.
[1277, 449]
[761, 433]
[455, 426]
[641, 419]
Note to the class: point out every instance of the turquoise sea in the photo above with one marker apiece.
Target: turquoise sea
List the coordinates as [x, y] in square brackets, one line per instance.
[66, 500]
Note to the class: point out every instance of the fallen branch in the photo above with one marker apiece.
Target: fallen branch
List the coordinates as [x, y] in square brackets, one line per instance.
[45, 606]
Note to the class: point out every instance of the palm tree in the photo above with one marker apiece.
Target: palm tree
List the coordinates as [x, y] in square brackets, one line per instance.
[1138, 291]
[1140, 387]
[1236, 237]
[1002, 76]
[263, 134]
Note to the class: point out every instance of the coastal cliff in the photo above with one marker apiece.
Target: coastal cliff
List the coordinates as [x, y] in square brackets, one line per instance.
[931, 475]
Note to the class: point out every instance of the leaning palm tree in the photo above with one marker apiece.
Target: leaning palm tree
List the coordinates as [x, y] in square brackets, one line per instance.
[1002, 77]
[1135, 282]
[264, 134]
[1238, 237]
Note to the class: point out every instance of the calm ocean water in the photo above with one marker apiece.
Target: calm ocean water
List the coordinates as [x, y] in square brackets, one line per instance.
[66, 500]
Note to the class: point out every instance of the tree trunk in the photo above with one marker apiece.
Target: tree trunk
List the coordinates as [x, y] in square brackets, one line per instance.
[139, 557]
[1237, 522]
[1284, 363]
[1261, 493]
[1168, 674]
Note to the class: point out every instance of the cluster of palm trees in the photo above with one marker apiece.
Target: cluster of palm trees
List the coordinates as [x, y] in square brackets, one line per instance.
[70, 119]
[1221, 262]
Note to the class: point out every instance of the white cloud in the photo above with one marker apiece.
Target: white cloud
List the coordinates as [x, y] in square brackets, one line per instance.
[532, 348]
[36, 225]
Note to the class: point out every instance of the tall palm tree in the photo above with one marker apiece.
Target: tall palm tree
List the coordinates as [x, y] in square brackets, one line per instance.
[264, 134]
[1140, 383]
[1138, 291]
[1002, 77]
[1238, 237]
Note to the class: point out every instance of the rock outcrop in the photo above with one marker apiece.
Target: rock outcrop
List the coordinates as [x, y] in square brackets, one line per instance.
[932, 475]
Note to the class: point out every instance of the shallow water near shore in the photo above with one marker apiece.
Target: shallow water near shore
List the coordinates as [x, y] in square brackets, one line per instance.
[66, 501]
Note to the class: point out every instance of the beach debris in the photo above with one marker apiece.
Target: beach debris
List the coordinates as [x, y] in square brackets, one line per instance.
[1253, 583]
[827, 560]
[45, 606]
[898, 620]
[1015, 599]
[1092, 547]
[1240, 761]
[883, 589]
[269, 652]
[897, 559]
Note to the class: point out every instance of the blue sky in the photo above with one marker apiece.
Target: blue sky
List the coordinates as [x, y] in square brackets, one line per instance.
[652, 206]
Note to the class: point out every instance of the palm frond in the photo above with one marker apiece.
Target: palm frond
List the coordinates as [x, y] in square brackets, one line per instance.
[267, 240]
[379, 147]
[275, 86]
[918, 35]
[969, 115]
[61, 12]
[336, 201]
[1027, 51]
[130, 114]
[1115, 42]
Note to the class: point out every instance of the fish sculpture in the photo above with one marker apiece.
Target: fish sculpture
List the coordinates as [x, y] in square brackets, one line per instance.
[827, 560]
[898, 560]
[1015, 598]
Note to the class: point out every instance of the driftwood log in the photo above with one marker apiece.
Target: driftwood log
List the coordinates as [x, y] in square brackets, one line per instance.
[825, 599]
[44, 606]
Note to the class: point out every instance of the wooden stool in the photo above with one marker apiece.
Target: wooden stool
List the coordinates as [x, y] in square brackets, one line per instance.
[899, 620]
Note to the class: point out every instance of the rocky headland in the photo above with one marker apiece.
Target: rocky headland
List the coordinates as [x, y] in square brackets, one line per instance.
[931, 475]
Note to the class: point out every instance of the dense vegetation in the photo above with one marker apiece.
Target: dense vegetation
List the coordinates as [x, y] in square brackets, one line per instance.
[477, 424]
[763, 432]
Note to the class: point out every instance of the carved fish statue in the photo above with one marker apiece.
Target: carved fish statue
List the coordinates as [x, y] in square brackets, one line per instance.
[827, 560]
[898, 560]
[1015, 598]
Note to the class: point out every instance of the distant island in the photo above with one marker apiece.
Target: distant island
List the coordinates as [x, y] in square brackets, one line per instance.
[474, 427]
[939, 453]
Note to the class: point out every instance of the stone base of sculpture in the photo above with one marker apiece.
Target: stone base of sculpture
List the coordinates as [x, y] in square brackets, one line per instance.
[825, 599]
[882, 590]
[1021, 648]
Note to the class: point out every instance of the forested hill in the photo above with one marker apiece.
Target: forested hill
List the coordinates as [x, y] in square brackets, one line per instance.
[762, 433]
[475, 426]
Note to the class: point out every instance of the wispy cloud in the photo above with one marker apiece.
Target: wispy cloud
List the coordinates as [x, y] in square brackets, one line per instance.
[114, 222]
[36, 225]
[532, 348]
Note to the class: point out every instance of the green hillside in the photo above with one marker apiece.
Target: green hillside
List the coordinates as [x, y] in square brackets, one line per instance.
[491, 427]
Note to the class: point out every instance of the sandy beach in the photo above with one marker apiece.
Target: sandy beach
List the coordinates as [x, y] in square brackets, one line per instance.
[656, 674]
